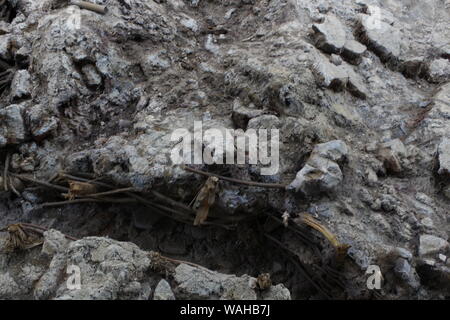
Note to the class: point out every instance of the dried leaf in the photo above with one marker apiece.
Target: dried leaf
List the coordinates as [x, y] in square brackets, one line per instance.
[263, 281]
[286, 217]
[18, 238]
[205, 199]
[77, 188]
[341, 249]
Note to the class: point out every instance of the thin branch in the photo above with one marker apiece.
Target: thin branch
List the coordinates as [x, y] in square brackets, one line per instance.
[42, 229]
[107, 193]
[43, 183]
[5, 172]
[248, 183]
[84, 200]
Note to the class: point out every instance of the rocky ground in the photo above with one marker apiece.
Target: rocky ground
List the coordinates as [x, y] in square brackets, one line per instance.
[360, 91]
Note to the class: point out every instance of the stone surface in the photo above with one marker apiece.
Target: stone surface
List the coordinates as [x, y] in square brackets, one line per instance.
[404, 270]
[380, 37]
[391, 153]
[447, 192]
[330, 35]
[328, 75]
[12, 128]
[444, 157]
[163, 291]
[439, 71]
[107, 95]
[196, 283]
[21, 85]
[352, 51]
[321, 172]
[430, 244]
[41, 123]
[335, 150]
[93, 78]
[5, 45]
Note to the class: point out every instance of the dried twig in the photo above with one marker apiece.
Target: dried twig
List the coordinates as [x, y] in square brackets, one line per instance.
[111, 192]
[41, 229]
[341, 249]
[90, 6]
[248, 183]
[205, 199]
[42, 183]
[5, 172]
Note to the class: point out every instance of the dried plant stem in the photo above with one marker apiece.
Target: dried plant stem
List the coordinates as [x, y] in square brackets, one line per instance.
[5, 172]
[42, 183]
[238, 181]
[84, 200]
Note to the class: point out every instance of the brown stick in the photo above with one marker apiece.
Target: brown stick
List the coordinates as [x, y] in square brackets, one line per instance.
[161, 209]
[107, 193]
[84, 200]
[42, 183]
[5, 172]
[42, 229]
[248, 183]
[171, 201]
[90, 6]
[155, 193]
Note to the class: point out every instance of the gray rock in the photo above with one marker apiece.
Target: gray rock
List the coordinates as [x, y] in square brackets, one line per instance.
[391, 153]
[199, 283]
[446, 192]
[92, 77]
[264, 122]
[335, 150]
[190, 23]
[163, 291]
[277, 292]
[320, 175]
[5, 47]
[21, 85]
[229, 13]
[336, 60]
[8, 287]
[47, 285]
[352, 51]
[321, 172]
[430, 244]
[404, 270]
[239, 288]
[380, 37]
[156, 61]
[242, 115]
[328, 75]
[330, 35]
[403, 253]
[439, 70]
[12, 128]
[194, 3]
[444, 157]
[355, 83]
[427, 223]
[195, 283]
[40, 122]
[109, 269]
[54, 242]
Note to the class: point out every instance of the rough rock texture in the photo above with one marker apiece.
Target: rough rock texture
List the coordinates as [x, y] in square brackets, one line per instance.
[109, 269]
[100, 96]
[330, 35]
[163, 291]
[444, 157]
[321, 172]
[204, 284]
